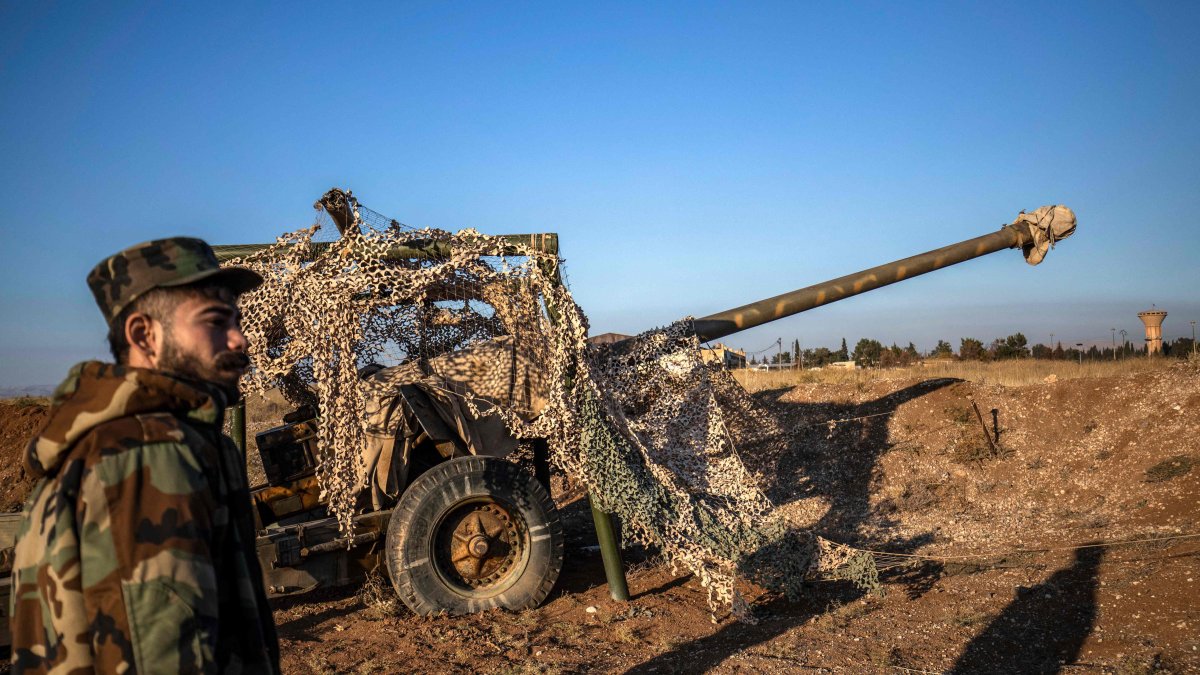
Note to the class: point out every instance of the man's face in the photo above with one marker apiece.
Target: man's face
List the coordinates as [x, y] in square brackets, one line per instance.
[203, 340]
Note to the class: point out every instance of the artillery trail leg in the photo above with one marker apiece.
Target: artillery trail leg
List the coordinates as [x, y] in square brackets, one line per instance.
[237, 425]
[610, 552]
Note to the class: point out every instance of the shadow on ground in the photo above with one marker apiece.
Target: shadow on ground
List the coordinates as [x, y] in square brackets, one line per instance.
[775, 618]
[1044, 627]
[837, 466]
[337, 602]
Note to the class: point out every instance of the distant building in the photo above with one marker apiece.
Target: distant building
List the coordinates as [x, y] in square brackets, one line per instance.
[1153, 319]
[777, 366]
[607, 338]
[719, 353]
[848, 365]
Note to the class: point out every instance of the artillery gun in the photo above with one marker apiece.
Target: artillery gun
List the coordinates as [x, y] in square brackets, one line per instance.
[460, 528]
[483, 533]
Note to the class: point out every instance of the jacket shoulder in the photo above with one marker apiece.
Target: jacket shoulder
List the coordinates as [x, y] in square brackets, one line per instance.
[160, 441]
[126, 433]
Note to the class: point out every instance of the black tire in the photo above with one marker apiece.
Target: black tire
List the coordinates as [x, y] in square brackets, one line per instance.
[474, 533]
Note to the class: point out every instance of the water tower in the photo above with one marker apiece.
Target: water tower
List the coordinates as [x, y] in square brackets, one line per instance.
[1153, 318]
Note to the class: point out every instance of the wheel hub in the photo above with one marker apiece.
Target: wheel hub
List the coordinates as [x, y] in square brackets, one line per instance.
[478, 544]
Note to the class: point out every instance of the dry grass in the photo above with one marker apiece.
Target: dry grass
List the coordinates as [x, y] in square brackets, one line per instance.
[378, 599]
[1015, 373]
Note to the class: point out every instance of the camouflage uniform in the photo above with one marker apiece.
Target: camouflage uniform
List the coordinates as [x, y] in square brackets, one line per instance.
[136, 549]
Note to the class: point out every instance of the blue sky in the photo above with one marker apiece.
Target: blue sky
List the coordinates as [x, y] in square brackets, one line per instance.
[691, 156]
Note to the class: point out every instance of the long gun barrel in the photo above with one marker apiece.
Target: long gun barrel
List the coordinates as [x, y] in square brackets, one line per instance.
[1033, 233]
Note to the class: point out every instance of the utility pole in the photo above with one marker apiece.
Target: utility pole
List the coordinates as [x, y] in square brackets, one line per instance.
[779, 341]
[1114, 334]
[1193, 338]
[1052, 346]
[1079, 348]
[1123, 339]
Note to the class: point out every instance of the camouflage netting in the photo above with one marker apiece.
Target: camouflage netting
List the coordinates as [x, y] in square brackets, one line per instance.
[645, 426]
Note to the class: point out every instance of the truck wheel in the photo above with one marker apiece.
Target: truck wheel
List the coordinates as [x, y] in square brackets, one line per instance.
[474, 533]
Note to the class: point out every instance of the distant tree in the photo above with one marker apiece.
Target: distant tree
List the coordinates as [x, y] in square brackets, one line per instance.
[942, 350]
[911, 353]
[1016, 344]
[1180, 348]
[754, 360]
[867, 353]
[842, 354]
[1059, 354]
[896, 356]
[970, 349]
[889, 357]
[1011, 347]
[797, 355]
[815, 358]
[1041, 351]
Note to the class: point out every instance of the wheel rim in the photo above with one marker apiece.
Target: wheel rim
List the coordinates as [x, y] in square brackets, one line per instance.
[479, 546]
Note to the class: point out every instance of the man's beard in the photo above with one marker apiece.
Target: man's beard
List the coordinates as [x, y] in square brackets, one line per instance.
[224, 371]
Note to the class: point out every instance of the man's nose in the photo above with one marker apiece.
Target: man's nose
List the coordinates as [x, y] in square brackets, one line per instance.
[237, 340]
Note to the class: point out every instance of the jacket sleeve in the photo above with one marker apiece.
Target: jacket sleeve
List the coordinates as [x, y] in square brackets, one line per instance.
[146, 520]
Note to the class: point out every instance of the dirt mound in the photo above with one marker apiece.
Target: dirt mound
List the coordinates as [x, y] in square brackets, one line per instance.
[1109, 456]
[20, 418]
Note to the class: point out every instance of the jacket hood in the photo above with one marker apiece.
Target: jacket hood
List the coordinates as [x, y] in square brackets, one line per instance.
[95, 393]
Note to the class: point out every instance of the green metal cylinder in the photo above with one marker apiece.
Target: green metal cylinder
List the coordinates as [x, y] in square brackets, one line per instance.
[237, 425]
[610, 553]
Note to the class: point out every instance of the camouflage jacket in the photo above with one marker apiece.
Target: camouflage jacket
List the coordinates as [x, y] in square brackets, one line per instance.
[136, 550]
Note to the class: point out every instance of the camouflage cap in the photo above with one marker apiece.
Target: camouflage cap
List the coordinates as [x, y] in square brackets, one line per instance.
[123, 277]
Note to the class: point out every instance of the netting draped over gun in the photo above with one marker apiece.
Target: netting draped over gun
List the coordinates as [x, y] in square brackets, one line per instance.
[429, 369]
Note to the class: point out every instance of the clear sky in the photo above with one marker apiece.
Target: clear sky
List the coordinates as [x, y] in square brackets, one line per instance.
[692, 156]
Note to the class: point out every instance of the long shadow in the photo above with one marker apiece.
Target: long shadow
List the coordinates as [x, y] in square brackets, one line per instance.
[1044, 628]
[776, 617]
[662, 588]
[300, 628]
[837, 465]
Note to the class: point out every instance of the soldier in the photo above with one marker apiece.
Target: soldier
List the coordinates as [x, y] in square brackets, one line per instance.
[136, 550]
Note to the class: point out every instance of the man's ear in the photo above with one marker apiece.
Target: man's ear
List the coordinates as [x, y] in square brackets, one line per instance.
[143, 334]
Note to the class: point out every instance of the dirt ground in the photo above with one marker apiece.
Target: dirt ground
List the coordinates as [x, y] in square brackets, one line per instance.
[1019, 567]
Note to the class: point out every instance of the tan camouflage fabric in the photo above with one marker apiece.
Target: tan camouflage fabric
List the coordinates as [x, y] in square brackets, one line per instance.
[122, 277]
[1046, 225]
[646, 427]
[136, 549]
[496, 373]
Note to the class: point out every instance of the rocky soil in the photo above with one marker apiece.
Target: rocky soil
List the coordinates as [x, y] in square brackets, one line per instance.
[1070, 543]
